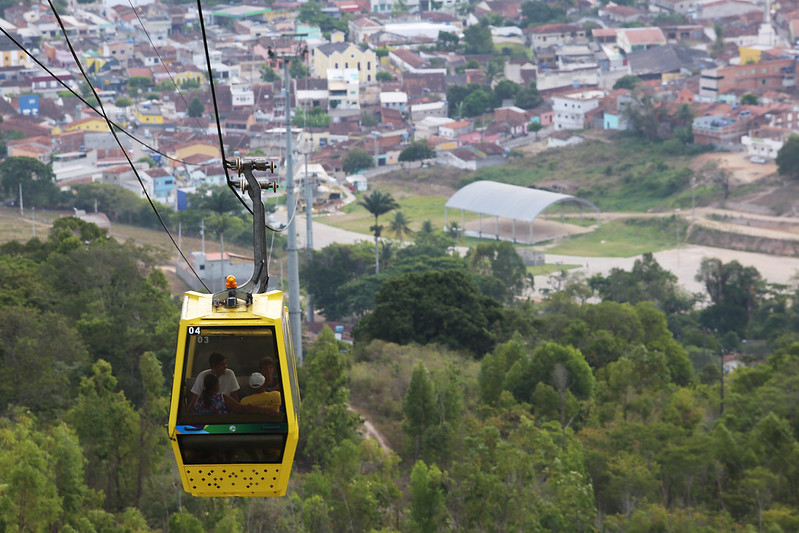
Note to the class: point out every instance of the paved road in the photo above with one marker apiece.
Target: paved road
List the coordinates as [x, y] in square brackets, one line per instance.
[684, 263]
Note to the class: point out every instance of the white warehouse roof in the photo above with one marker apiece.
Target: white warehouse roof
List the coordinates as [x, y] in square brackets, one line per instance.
[508, 201]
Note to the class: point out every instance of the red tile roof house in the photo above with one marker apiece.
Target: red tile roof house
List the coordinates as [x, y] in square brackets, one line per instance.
[634, 39]
[551, 34]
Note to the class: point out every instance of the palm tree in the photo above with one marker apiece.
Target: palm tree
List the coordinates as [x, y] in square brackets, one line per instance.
[399, 225]
[378, 203]
[454, 231]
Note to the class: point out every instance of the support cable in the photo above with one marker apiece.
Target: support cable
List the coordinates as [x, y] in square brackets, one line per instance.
[86, 102]
[116, 137]
[161, 60]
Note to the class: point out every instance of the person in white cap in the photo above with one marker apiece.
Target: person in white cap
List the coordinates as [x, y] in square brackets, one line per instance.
[261, 397]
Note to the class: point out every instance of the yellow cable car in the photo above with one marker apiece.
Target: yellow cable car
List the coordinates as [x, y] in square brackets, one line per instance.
[233, 419]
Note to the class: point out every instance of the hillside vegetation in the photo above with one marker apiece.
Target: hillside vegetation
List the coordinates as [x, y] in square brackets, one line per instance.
[501, 414]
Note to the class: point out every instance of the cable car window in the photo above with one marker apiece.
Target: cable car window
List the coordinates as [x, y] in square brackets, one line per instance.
[243, 364]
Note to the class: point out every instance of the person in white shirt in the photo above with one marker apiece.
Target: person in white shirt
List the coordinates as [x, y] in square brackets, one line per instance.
[228, 384]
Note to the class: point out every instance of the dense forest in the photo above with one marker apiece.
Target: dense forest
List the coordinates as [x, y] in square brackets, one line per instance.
[601, 408]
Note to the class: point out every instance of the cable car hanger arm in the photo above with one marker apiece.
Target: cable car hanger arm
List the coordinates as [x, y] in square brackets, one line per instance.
[260, 277]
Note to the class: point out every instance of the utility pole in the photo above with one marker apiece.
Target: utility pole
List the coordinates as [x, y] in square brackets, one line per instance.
[295, 312]
[309, 196]
[693, 193]
[202, 236]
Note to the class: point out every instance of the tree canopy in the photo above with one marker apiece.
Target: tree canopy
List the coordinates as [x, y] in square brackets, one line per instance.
[788, 157]
[417, 151]
[356, 159]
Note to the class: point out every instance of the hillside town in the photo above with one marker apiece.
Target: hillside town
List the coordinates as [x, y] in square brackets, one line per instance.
[472, 81]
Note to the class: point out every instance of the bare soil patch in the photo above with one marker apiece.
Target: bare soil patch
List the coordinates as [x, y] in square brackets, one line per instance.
[738, 164]
[435, 180]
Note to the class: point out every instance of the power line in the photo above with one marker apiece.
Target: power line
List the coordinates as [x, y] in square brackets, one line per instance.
[116, 137]
[161, 60]
[86, 102]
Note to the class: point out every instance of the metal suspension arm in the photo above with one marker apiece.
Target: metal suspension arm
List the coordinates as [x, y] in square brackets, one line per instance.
[260, 276]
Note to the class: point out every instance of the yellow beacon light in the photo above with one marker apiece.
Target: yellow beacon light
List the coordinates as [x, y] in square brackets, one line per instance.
[230, 282]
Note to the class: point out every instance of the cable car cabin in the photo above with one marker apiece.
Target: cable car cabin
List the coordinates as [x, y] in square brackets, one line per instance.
[235, 453]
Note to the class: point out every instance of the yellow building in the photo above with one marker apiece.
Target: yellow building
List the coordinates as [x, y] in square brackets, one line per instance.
[12, 56]
[343, 56]
[149, 113]
[86, 124]
[750, 54]
[188, 76]
[196, 148]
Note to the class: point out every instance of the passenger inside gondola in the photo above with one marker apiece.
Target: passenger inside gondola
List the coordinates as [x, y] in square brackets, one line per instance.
[212, 402]
[228, 384]
[261, 397]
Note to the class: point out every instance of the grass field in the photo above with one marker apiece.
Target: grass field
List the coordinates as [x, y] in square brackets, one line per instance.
[15, 227]
[624, 238]
[623, 174]
[416, 207]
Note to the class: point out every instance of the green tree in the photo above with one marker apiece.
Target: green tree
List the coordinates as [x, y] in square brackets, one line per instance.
[120, 205]
[628, 81]
[647, 281]
[447, 41]
[529, 97]
[749, 99]
[500, 262]
[196, 108]
[384, 75]
[148, 161]
[29, 498]
[123, 101]
[329, 271]
[137, 84]
[268, 74]
[504, 90]
[43, 347]
[369, 120]
[417, 406]
[324, 409]
[734, 292]
[298, 70]
[544, 366]
[36, 178]
[632, 480]
[315, 118]
[477, 39]
[114, 448]
[215, 199]
[477, 103]
[717, 48]
[378, 203]
[399, 226]
[417, 151]
[494, 69]
[185, 522]
[495, 366]
[787, 158]
[443, 307]
[536, 13]
[428, 510]
[356, 159]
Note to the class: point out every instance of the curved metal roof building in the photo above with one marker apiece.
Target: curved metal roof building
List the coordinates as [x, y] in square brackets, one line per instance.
[509, 201]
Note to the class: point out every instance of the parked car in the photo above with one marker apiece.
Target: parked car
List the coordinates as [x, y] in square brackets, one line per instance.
[758, 160]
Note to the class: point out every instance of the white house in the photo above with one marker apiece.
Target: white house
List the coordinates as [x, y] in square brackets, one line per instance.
[394, 100]
[343, 86]
[570, 110]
